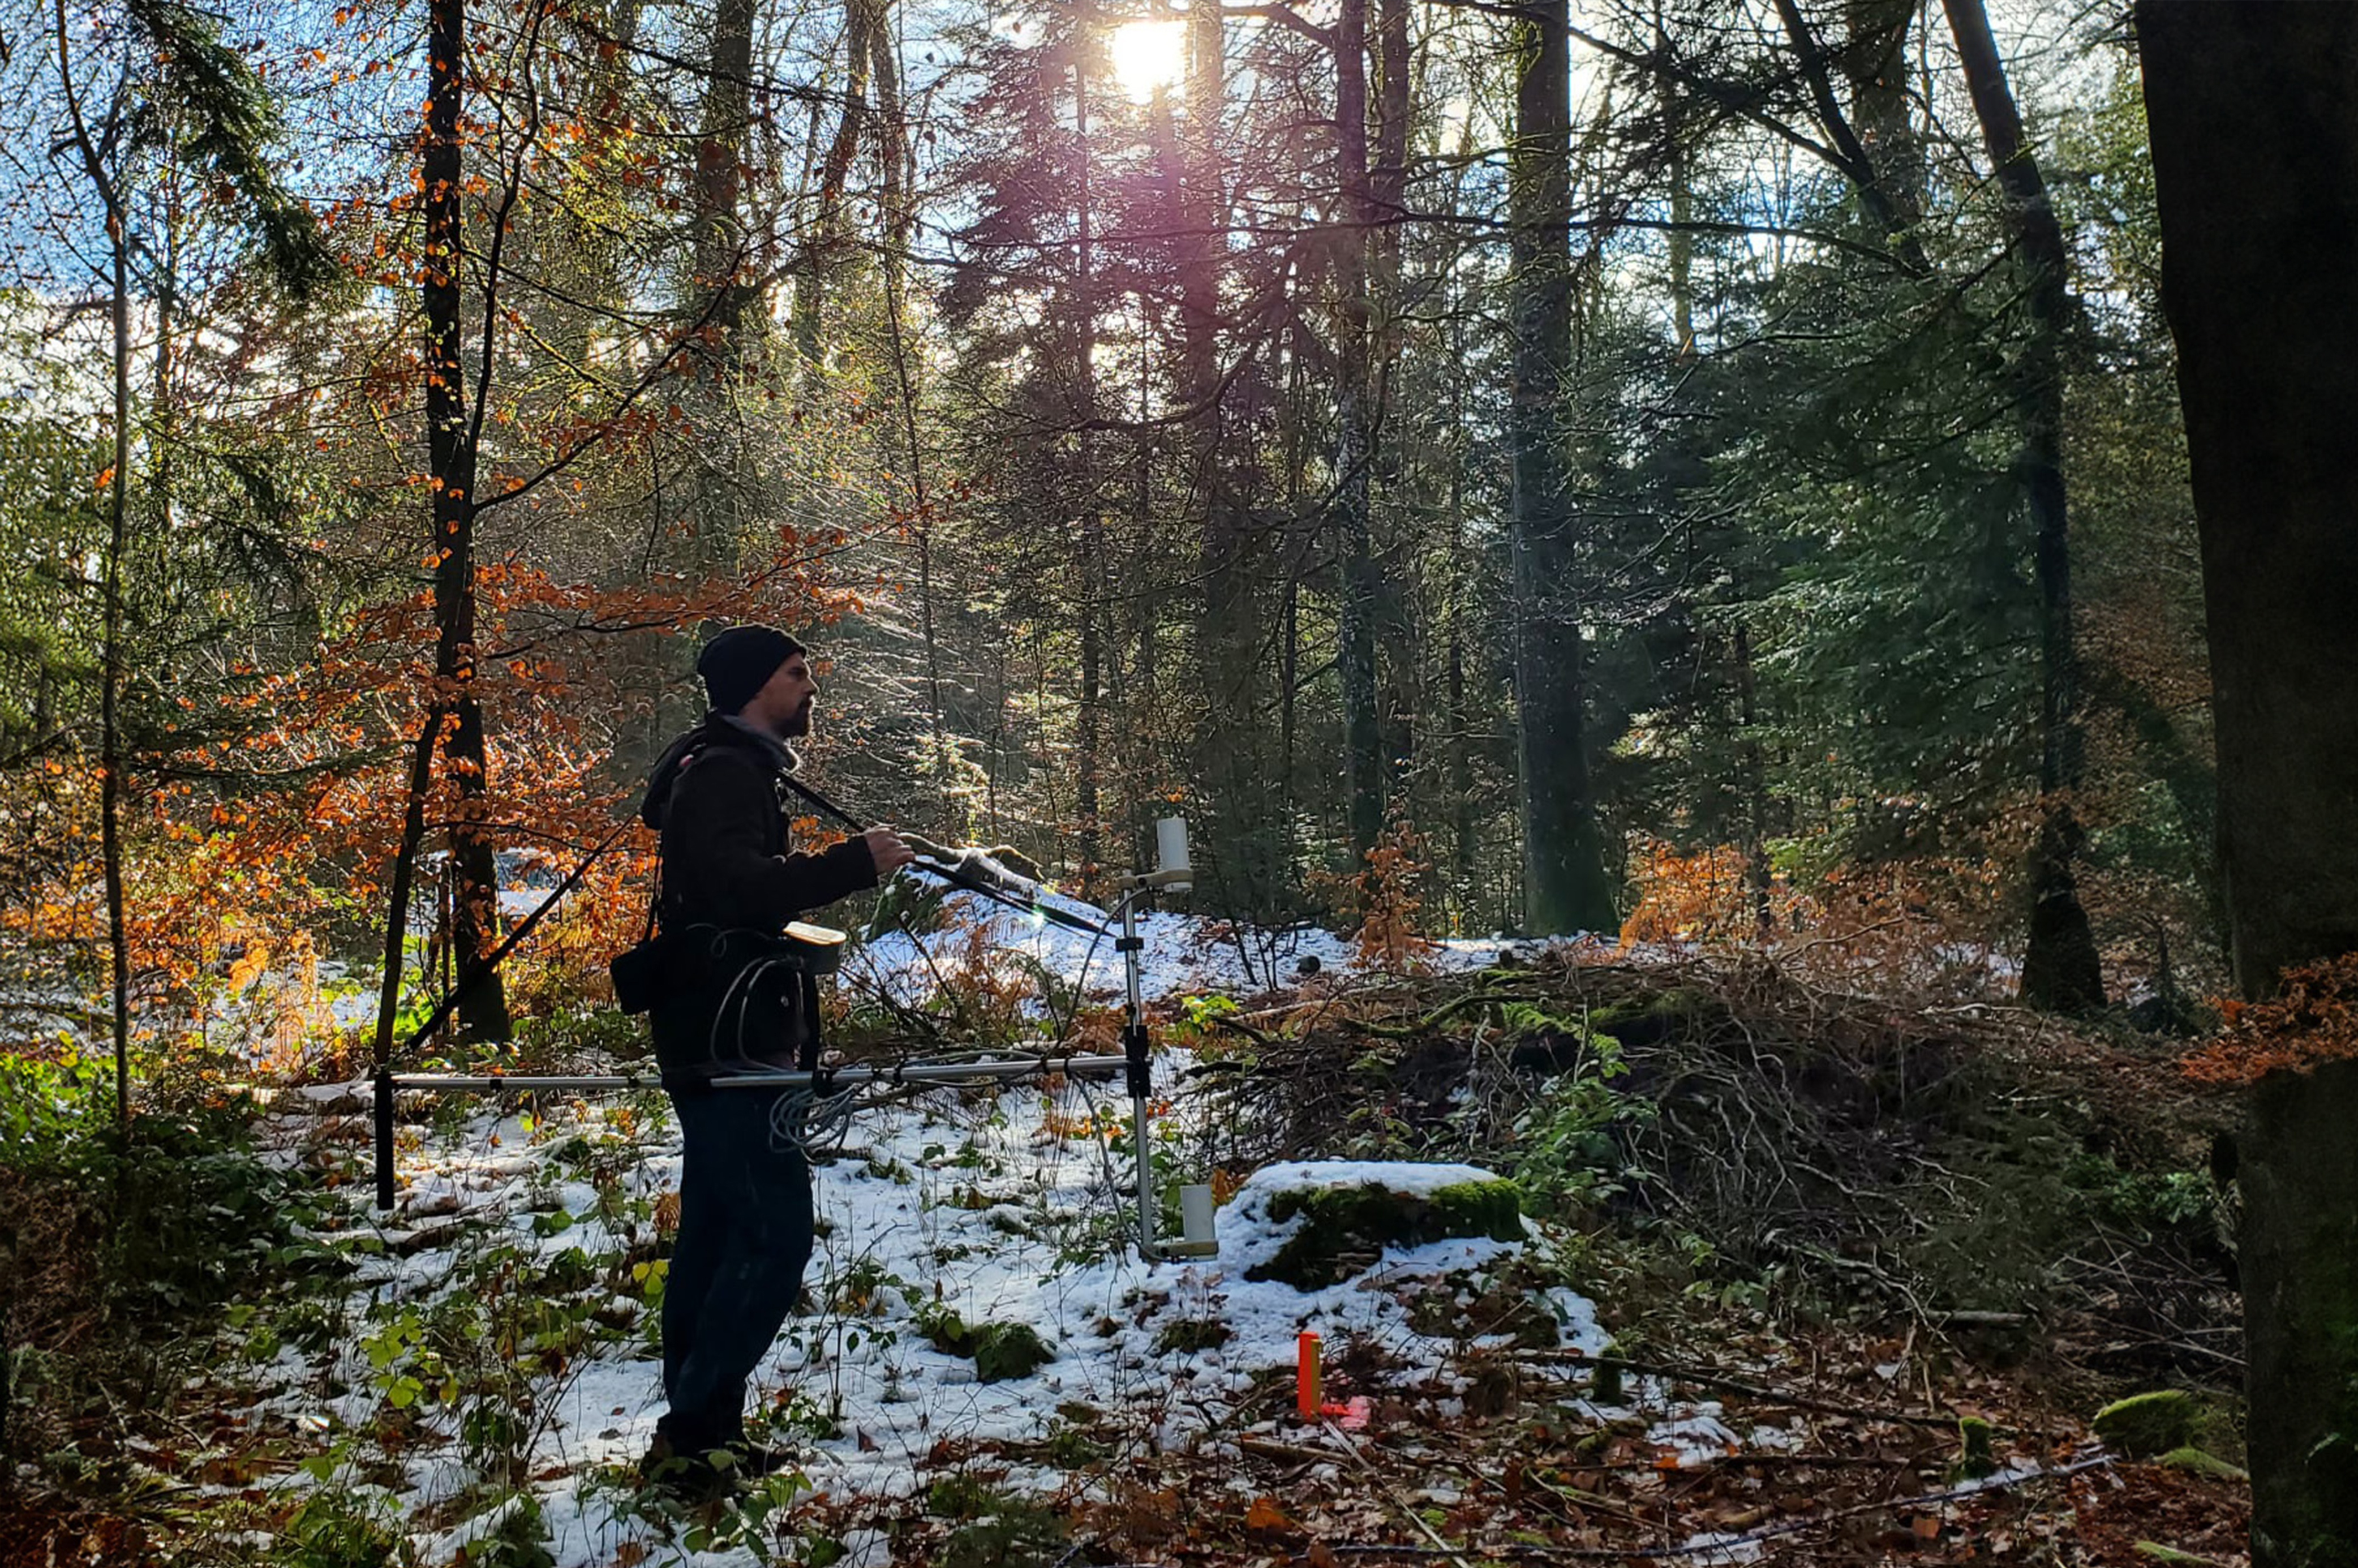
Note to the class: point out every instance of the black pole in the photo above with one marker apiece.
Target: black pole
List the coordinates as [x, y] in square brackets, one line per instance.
[385, 1137]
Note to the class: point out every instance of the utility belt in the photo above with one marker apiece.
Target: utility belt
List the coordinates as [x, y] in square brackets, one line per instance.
[667, 966]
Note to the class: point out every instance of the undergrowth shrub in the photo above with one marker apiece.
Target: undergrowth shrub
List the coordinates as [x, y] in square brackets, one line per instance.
[126, 1245]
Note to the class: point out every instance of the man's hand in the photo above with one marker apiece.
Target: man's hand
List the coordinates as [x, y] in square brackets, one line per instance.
[885, 847]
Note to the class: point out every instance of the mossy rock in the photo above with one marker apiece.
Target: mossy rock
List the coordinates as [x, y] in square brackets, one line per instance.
[1346, 1226]
[2144, 1426]
[2197, 1462]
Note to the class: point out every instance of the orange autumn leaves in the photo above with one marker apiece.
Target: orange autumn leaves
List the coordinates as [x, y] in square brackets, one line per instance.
[2315, 1020]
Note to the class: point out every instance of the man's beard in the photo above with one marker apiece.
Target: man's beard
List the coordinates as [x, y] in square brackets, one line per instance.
[798, 722]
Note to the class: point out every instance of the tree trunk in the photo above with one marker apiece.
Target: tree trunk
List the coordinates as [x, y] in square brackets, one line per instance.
[892, 150]
[818, 257]
[482, 1012]
[1757, 881]
[1876, 62]
[1363, 745]
[2259, 245]
[1890, 221]
[2059, 968]
[720, 150]
[1089, 573]
[111, 661]
[92, 148]
[719, 298]
[1563, 867]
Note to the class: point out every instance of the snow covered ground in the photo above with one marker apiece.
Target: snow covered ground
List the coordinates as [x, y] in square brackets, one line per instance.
[1005, 1209]
[492, 1357]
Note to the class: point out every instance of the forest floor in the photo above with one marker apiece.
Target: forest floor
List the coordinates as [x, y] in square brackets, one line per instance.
[1788, 1245]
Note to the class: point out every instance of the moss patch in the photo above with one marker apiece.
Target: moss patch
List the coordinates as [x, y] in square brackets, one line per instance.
[999, 1350]
[2146, 1424]
[1976, 1456]
[1642, 1021]
[1347, 1227]
[1009, 1350]
[2202, 1464]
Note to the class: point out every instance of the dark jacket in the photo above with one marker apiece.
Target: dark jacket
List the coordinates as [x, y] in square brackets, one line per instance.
[729, 884]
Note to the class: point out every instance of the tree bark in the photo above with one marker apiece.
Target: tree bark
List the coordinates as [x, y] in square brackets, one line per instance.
[111, 661]
[1089, 572]
[2259, 242]
[1874, 60]
[723, 307]
[818, 257]
[94, 147]
[1363, 746]
[1564, 886]
[2061, 970]
[720, 150]
[450, 443]
[1891, 223]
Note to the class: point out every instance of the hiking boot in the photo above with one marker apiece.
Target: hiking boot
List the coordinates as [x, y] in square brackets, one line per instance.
[686, 1479]
[750, 1460]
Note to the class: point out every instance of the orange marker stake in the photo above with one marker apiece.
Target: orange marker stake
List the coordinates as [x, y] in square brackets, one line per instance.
[1307, 1385]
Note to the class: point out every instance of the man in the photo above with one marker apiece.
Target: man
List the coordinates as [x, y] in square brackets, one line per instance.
[729, 887]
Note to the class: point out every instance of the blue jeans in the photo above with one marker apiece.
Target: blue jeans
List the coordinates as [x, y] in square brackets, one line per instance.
[736, 1263]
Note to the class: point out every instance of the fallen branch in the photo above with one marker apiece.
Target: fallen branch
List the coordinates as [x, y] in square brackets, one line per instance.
[1702, 1379]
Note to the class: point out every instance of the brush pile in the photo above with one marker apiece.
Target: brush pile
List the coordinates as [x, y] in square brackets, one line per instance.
[1976, 1166]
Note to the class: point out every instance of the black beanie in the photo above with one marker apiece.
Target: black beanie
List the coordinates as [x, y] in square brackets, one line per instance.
[739, 662]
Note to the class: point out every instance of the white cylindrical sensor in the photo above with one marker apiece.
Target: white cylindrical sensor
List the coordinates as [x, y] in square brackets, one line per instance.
[1195, 1213]
[1171, 844]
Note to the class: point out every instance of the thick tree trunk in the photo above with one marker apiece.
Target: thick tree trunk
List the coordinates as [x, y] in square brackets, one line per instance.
[892, 150]
[2259, 243]
[2298, 1256]
[722, 309]
[1400, 655]
[2059, 968]
[1233, 860]
[1564, 887]
[1875, 59]
[451, 461]
[1890, 221]
[720, 150]
[720, 297]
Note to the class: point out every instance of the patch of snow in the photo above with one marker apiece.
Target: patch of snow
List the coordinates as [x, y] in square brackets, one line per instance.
[1183, 954]
[1697, 1437]
[1717, 1549]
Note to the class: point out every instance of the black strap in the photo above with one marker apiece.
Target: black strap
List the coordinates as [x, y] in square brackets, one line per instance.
[821, 801]
[469, 979]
